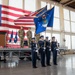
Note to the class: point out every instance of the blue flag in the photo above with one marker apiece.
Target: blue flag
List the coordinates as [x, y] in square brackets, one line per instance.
[50, 17]
[40, 11]
[11, 36]
[15, 39]
[44, 20]
[39, 25]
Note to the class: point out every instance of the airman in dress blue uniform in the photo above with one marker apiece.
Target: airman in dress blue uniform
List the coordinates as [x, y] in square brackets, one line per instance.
[42, 50]
[54, 50]
[34, 52]
[47, 51]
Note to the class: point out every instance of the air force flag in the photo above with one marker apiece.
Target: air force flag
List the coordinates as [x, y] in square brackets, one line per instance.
[39, 25]
[44, 20]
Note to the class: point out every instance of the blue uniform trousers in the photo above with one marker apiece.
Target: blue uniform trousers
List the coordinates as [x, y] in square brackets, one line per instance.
[54, 56]
[48, 56]
[34, 58]
[42, 54]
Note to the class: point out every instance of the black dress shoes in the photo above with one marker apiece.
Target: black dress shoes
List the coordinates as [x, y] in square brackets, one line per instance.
[34, 67]
[55, 64]
[43, 66]
[48, 64]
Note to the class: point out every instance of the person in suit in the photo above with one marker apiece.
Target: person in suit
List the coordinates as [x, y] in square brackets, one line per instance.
[47, 51]
[21, 35]
[54, 50]
[34, 52]
[42, 50]
[29, 36]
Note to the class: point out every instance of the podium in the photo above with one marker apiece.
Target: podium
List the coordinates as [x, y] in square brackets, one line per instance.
[3, 41]
[2, 38]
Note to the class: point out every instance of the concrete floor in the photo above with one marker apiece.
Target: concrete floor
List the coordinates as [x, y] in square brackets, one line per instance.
[66, 66]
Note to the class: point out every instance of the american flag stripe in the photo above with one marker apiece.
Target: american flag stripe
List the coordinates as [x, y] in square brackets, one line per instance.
[17, 26]
[32, 26]
[7, 19]
[26, 17]
[12, 26]
[25, 20]
[7, 22]
[24, 23]
[10, 13]
[3, 28]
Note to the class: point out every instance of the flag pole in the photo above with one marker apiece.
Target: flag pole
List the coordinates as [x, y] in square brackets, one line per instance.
[46, 5]
[52, 27]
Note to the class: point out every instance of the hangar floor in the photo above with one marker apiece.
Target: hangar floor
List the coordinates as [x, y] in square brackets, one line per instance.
[66, 66]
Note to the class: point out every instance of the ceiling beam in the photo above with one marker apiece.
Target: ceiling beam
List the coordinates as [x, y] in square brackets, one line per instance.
[69, 2]
[63, 1]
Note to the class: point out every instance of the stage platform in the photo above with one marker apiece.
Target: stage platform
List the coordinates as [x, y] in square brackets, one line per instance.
[19, 52]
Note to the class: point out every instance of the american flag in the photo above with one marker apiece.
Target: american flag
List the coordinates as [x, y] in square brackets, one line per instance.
[7, 16]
